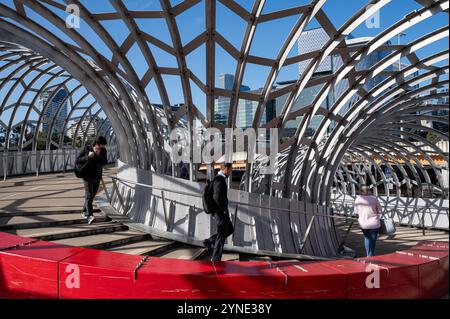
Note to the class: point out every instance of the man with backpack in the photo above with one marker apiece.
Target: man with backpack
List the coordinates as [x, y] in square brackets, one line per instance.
[88, 166]
[216, 203]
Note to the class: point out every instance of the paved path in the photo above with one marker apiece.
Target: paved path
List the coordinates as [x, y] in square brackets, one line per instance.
[46, 192]
[402, 239]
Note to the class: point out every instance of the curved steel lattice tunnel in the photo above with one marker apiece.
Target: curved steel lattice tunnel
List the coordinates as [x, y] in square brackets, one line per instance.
[45, 114]
[38, 95]
[373, 131]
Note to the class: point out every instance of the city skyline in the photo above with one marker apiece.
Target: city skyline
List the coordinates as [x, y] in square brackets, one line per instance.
[229, 27]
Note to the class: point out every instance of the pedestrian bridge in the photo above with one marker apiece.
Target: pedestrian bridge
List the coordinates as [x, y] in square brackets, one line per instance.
[349, 111]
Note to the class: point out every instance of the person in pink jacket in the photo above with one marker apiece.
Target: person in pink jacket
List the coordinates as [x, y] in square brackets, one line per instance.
[368, 209]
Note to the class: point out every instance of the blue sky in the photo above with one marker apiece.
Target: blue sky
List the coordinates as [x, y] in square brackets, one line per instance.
[268, 38]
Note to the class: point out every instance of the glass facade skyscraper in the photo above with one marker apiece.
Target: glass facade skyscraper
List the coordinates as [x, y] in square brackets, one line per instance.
[441, 125]
[310, 40]
[246, 108]
[55, 111]
[313, 40]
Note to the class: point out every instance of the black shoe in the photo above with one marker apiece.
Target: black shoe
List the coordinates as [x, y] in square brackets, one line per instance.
[208, 247]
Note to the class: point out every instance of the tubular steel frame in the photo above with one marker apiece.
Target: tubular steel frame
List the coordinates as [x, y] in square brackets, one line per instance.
[373, 130]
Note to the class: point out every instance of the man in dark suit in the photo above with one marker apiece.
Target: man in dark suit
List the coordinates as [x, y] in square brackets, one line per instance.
[215, 243]
[94, 157]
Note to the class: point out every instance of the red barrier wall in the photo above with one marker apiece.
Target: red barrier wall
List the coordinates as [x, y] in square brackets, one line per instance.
[102, 274]
[38, 269]
[31, 271]
[177, 279]
[311, 280]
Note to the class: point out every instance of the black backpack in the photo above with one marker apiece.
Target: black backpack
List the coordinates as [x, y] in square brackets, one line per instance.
[208, 200]
[79, 168]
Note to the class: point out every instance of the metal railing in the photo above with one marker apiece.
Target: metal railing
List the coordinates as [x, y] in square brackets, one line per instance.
[303, 241]
[420, 211]
[43, 161]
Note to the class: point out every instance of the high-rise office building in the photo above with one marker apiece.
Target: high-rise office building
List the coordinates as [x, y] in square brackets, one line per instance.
[309, 41]
[225, 81]
[88, 126]
[246, 108]
[55, 111]
[441, 125]
[313, 40]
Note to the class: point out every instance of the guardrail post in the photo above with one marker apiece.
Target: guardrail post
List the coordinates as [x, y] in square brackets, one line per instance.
[64, 160]
[119, 195]
[5, 166]
[344, 239]
[234, 223]
[163, 198]
[423, 221]
[112, 192]
[106, 191]
[305, 238]
[38, 166]
[36, 160]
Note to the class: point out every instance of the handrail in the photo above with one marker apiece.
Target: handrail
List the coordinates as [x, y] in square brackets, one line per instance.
[125, 181]
[421, 212]
[40, 158]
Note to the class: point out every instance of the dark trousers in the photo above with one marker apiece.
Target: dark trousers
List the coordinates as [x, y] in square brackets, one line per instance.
[224, 229]
[91, 185]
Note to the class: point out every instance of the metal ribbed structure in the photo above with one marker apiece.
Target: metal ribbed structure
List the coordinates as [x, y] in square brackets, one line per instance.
[383, 126]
